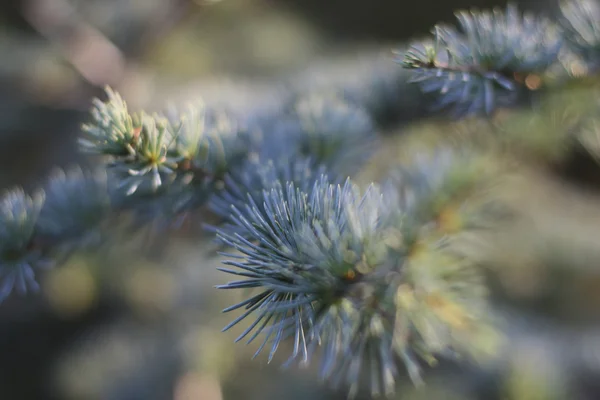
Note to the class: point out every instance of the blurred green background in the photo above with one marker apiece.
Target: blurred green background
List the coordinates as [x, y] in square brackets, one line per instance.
[124, 326]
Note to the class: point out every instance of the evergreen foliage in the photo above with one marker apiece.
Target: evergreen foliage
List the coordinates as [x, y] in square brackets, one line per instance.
[20, 256]
[367, 279]
[494, 58]
[581, 26]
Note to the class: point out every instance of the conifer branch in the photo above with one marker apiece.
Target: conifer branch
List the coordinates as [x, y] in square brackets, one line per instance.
[480, 65]
[581, 26]
[372, 282]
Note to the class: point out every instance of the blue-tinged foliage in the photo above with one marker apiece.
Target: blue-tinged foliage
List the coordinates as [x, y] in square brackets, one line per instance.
[327, 264]
[410, 183]
[248, 183]
[581, 24]
[356, 336]
[149, 155]
[164, 165]
[208, 142]
[77, 203]
[19, 255]
[371, 282]
[333, 132]
[304, 251]
[481, 65]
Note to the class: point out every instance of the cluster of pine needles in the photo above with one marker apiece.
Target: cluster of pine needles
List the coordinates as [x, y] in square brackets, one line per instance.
[373, 280]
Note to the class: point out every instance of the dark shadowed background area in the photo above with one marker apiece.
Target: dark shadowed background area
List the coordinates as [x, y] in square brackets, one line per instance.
[123, 326]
